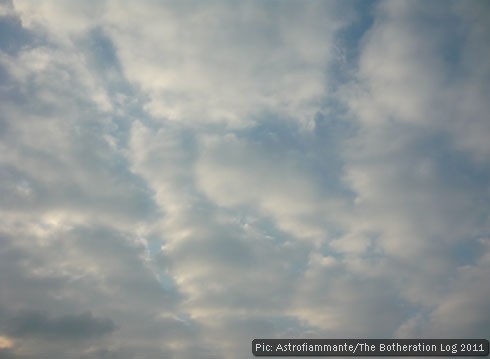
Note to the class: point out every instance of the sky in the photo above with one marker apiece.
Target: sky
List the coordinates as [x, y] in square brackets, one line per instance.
[178, 178]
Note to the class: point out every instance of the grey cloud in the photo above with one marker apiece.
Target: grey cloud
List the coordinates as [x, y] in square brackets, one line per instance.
[8, 354]
[84, 268]
[417, 185]
[203, 174]
[84, 326]
[59, 154]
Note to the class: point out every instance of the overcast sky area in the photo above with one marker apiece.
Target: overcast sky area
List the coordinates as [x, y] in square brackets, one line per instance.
[178, 178]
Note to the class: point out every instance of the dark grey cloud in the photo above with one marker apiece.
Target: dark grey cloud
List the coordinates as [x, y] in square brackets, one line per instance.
[30, 323]
[8, 354]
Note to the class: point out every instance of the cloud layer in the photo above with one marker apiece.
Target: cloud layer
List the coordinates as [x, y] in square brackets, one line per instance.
[177, 179]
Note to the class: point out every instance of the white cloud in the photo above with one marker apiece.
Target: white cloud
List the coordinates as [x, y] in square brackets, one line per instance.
[420, 186]
[236, 172]
[188, 173]
[226, 62]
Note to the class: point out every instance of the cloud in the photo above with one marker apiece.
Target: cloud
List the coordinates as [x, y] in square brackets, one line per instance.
[187, 65]
[442, 90]
[418, 187]
[7, 354]
[179, 179]
[234, 172]
[78, 327]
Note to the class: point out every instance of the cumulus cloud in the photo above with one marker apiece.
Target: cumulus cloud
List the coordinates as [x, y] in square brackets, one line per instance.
[178, 179]
[417, 185]
[224, 62]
